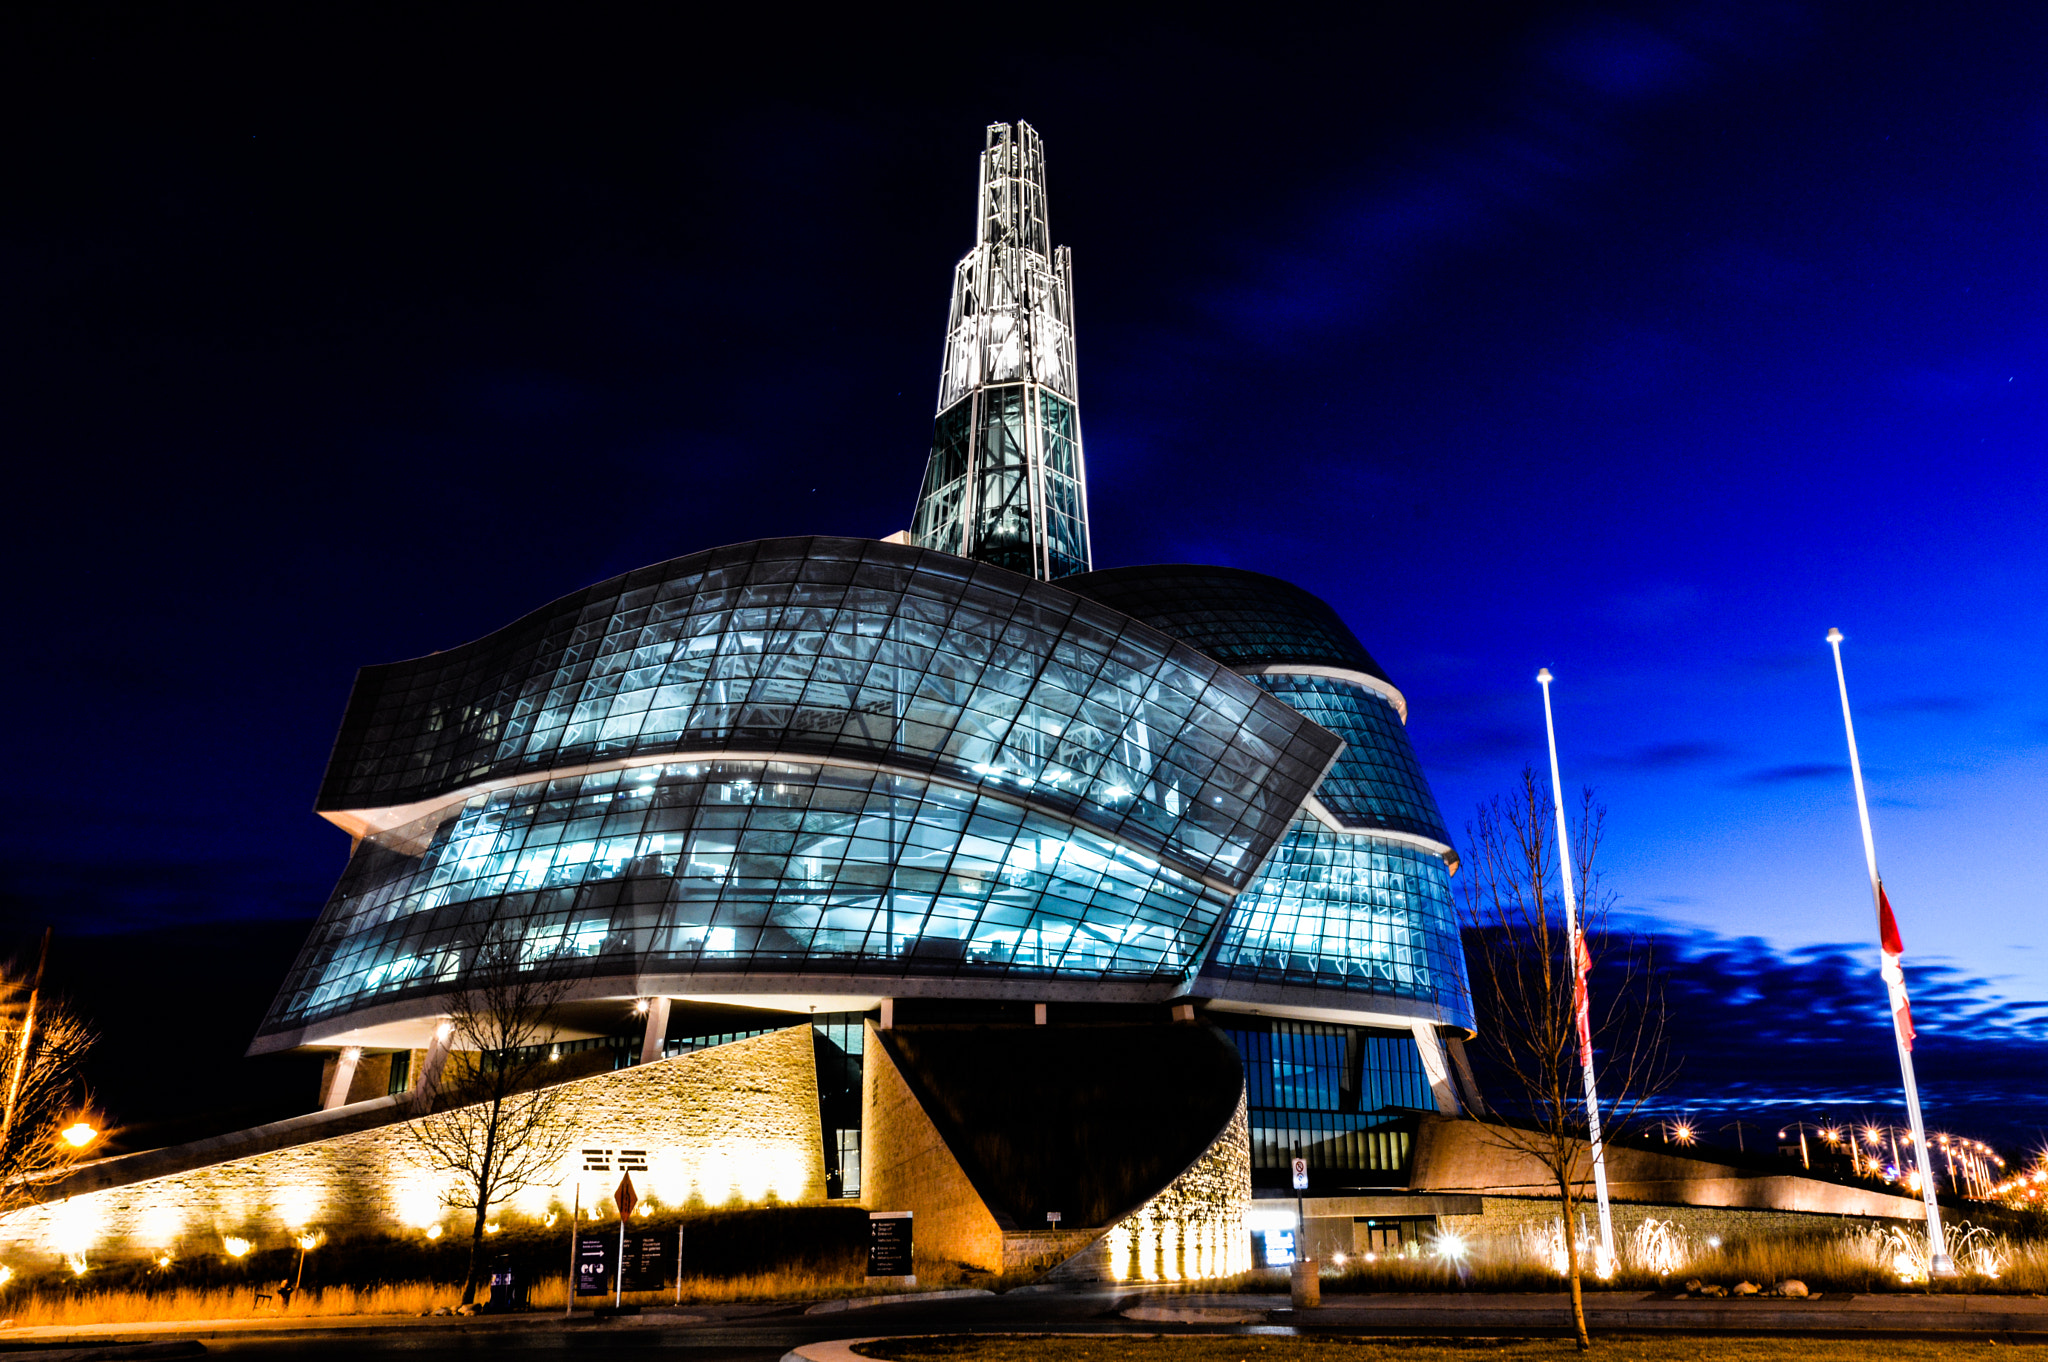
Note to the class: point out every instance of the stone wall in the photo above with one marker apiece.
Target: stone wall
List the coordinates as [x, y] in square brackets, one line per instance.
[905, 1165]
[1506, 1217]
[1193, 1229]
[1460, 1156]
[733, 1125]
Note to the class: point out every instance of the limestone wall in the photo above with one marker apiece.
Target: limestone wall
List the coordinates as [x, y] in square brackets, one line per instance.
[1459, 1156]
[1192, 1229]
[732, 1125]
[1505, 1217]
[906, 1166]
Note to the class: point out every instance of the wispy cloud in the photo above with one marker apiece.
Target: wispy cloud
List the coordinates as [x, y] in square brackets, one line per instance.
[1795, 773]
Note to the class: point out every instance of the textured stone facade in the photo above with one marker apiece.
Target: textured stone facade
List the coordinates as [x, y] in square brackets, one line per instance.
[1193, 1229]
[732, 1125]
[907, 1166]
[1505, 1217]
[1460, 1156]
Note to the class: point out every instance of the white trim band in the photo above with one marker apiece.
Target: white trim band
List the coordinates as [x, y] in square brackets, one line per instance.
[1383, 689]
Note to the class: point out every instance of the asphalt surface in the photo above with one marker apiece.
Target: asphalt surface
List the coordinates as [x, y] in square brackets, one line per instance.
[765, 1333]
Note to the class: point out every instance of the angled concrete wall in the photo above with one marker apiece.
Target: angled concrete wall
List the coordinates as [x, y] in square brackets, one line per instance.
[905, 1165]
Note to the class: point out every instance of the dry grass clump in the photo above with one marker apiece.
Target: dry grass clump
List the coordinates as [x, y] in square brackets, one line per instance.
[31, 1309]
[217, 1303]
[1660, 1255]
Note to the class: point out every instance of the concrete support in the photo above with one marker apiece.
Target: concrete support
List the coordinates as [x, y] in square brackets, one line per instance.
[428, 1081]
[888, 1019]
[1184, 1013]
[1436, 1065]
[656, 1034]
[344, 1075]
[1038, 1014]
[1461, 1067]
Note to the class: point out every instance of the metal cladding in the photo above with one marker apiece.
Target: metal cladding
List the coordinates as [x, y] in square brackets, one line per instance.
[801, 756]
[1356, 900]
[1006, 483]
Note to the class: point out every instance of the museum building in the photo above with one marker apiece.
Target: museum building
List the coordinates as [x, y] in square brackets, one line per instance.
[1149, 845]
[925, 778]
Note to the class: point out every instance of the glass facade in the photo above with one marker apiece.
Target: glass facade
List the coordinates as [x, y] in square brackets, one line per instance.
[857, 650]
[730, 866]
[1244, 619]
[1331, 909]
[1349, 911]
[1340, 1093]
[1376, 782]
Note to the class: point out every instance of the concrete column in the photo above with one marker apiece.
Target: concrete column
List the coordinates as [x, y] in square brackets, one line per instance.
[888, 1017]
[1462, 1067]
[1437, 1067]
[656, 1034]
[1038, 1014]
[1184, 1013]
[428, 1081]
[344, 1075]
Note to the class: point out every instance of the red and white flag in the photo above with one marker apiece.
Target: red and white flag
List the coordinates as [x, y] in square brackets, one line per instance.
[1894, 977]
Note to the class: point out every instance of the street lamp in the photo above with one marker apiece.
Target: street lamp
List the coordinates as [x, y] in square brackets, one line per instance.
[78, 1134]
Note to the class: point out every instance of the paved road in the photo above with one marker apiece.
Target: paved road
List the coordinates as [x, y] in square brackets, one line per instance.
[765, 1333]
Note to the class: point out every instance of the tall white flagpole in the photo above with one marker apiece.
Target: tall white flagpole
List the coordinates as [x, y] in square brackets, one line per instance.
[1575, 943]
[1940, 1264]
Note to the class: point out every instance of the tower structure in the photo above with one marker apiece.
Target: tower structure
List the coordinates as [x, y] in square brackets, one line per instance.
[1005, 483]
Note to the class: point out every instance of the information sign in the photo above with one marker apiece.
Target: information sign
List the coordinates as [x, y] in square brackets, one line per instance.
[1052, 1217]
[650, 1256]
[593, 1265]
[889, 1244]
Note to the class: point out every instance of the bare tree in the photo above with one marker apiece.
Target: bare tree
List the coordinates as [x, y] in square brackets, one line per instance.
[495, 1124]
[43, 1044]
[1524, 987]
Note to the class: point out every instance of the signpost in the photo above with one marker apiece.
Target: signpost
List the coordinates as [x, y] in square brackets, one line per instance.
[889, 1246]
[627, 1199]
[1052, 1218]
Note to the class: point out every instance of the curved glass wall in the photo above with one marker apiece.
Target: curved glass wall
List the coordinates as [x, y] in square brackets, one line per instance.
[1245, 619]
[1376, 781]
[849, 648]
[737, 866]
[1349, 911]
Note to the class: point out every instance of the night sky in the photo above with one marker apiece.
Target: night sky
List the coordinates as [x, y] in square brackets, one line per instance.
[1642, 342]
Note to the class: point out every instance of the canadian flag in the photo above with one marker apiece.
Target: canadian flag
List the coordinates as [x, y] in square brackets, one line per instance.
[1894, 977]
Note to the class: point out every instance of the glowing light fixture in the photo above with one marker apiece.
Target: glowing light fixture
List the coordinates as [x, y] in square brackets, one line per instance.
[78, 1134]
[236, 1247]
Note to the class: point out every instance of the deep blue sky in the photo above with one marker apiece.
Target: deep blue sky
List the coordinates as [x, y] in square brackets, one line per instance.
[1642, 342]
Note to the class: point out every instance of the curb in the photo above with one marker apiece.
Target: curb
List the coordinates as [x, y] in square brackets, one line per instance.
[905, 1298]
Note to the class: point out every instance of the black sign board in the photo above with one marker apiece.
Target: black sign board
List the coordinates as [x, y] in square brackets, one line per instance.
[593, 1264]
[650, 1259]
[889, 1244]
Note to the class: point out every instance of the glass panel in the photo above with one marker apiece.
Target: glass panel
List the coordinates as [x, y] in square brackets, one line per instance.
[1349, 911]
[779, 866]
[1070, 708]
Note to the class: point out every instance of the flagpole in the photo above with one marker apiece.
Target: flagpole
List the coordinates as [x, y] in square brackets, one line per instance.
[1574, 943]
[1937, 1243]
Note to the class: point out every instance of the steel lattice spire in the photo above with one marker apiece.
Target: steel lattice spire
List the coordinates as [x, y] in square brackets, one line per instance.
[1005, 483]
